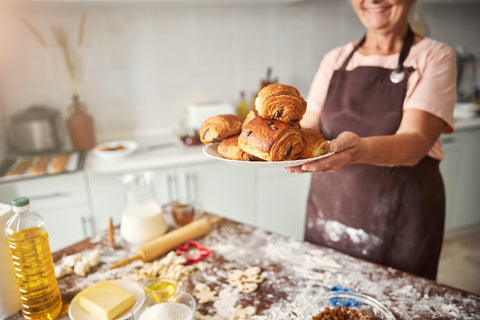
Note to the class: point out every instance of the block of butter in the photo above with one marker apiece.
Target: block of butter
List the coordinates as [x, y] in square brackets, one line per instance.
[105, 300]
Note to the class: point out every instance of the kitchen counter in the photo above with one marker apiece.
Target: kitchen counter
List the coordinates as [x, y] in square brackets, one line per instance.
[467, 123]
[165, 152]
[295, 275]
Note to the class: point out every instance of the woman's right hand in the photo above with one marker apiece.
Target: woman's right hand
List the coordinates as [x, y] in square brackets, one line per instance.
[344, 147]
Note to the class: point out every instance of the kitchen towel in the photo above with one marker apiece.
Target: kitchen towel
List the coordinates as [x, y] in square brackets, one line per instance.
[9, 297]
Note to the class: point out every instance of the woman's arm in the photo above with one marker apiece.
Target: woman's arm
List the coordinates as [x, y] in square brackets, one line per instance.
[417, 133]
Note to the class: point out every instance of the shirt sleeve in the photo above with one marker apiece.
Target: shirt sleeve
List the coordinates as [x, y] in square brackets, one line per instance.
[434, 87]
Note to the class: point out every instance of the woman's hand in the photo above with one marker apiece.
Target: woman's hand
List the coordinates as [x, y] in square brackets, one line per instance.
[345, 147]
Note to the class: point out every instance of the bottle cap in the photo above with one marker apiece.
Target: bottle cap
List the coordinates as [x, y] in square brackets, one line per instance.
[20, 202]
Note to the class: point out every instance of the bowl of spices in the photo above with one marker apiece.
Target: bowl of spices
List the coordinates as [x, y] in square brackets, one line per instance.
[346, 305]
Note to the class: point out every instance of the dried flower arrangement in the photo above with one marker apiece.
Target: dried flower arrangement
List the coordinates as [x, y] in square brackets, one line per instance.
[62, 42]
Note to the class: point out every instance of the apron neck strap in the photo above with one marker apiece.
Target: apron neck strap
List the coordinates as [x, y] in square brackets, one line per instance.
[407, 44]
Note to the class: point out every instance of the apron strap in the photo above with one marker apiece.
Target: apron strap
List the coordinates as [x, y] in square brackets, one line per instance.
[407, 44]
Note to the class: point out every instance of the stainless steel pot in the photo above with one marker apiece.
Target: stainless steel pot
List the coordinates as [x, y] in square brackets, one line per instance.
[34, 130]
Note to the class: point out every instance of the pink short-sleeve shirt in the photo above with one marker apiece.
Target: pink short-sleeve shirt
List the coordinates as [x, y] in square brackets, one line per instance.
[431, 88]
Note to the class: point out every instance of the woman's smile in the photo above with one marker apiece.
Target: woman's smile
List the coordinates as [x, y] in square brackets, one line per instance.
[377, 10]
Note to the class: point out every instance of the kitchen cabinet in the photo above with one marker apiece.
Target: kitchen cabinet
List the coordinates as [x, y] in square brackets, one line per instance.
[461, 173]
[282, 201]
[219, 188]
[61, 200]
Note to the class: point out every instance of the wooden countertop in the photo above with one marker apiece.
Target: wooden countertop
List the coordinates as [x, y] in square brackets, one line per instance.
[295, 274]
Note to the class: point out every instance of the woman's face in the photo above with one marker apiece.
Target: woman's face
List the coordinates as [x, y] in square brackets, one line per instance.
[383, 15]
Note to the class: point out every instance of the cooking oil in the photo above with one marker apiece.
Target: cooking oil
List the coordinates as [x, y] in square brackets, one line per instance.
[162, 290]
[33, 263]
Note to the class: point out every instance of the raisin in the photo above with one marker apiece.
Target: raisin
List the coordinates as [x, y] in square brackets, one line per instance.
[269, 123]
[278, 113]
[249, 132]
[274, 128]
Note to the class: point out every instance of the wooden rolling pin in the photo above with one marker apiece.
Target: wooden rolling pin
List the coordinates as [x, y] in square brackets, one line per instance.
[156, 247]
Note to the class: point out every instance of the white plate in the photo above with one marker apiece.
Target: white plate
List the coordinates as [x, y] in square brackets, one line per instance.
[78, 313]
[128, 148]
[211, 151]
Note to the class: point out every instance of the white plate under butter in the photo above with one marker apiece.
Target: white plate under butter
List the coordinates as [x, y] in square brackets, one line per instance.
[211, 151]
[78, 313]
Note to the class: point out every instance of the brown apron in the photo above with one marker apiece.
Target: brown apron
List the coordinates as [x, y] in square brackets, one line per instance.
[389, 215]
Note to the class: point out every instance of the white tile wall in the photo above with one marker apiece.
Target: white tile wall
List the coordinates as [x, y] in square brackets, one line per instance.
[141, 65]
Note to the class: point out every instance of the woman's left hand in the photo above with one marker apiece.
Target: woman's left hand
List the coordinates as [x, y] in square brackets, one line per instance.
[344, 147]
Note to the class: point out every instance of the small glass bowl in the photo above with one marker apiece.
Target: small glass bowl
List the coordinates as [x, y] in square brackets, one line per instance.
[182, 212]
[157, 297]
[368, 305]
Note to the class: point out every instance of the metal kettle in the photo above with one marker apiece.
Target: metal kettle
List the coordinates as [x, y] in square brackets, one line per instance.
[34, 130]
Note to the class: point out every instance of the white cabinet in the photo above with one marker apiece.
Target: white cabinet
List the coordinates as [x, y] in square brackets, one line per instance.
[282, 201]
[461, 173]
[221, 189]
[61, 200]
[218, 188]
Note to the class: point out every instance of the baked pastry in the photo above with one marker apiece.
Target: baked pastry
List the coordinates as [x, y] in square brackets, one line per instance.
[229, 149]
[220, 127]
[271, 140]
[280, 102]
[314, 144]
[252, 114]
[276, 89]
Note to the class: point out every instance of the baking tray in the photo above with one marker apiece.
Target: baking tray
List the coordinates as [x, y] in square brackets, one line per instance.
[75, 162]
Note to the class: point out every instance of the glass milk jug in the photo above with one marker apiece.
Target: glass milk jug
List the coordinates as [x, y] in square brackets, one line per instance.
[142, 217]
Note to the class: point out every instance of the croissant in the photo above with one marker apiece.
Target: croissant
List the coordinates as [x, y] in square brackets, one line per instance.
[220, 127]
[271, 140]
[276, 89]
[252, 114]
[229, 149]
[282, 102]
[314, 144]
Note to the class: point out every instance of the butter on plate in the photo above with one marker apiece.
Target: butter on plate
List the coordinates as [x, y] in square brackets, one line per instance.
[105, 300]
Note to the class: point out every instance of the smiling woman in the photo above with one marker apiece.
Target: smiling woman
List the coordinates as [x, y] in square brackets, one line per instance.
[383, 102]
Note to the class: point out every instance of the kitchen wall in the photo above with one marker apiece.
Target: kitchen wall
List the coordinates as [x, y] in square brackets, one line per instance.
[140, 65]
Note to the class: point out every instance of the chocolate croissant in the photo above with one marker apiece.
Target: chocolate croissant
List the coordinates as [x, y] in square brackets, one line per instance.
[229, 149]
[220, 127]
[252, 114]
[271, 140]
[275, 89]
[280, 102]
[314, 144]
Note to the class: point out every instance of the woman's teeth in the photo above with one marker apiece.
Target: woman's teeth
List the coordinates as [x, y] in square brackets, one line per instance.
[376, 10]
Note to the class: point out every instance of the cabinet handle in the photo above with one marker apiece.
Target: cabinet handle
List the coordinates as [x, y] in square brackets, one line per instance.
[190, 186]
[84, 226]
[171, 184]
[49, 195]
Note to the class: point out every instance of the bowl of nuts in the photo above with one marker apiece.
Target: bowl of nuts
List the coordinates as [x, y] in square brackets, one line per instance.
[346, 305]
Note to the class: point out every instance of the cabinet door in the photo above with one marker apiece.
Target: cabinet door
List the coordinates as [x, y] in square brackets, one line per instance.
[67, 226]
[107, 198]
[221, 189]
[282, 202]
[450, 169]
[461, 171]
[61, 200]
[47, 193]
